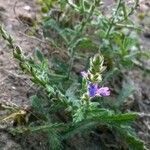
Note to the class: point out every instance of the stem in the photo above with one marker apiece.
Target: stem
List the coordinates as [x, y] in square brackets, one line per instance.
[72, 49]
[128, 26]
[131, 12]
[112, 21]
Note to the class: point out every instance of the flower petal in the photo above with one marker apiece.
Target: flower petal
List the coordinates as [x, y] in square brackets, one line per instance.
[84, 74]
[92, 89]
[103, 91]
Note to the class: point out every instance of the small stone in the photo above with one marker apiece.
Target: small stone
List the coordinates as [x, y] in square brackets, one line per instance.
[13, 87]
[28, 8]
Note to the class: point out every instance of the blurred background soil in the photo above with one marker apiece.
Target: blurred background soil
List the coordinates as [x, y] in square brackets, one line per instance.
[18, 17]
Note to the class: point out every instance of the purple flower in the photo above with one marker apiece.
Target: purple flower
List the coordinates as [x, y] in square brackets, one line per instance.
[84, 74]
[92, 89]
[95, 90]
[103, 91]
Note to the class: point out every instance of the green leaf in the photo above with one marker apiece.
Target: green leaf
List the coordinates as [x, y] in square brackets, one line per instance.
[128, 42]
[131, 138]
[98, 112]
[122, 118]
[134, 142]
[54, 140]
[59, 66]
[87, 43]
[50, 89]
[80, 127]
[54, 25]
[80, 114]
[37, 104]
[90, 123]
[126, 91]
[114, 119]
[39, 55]
[71, 91]
[50, 127]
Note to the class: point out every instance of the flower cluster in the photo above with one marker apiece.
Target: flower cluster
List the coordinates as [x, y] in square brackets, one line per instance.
[95, 90]
[93, 76]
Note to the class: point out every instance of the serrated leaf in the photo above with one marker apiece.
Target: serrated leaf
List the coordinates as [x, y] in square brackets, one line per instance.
[118, 118]
[87, 43]
[95, 112]
[79, 115]
[79, 127]
[126, 91]
[131, 138]
[37, 104]
[128, 42]
[39, 55]
[134, 142]
[54, 140]
[59, 66]
[70, 92]
[123, 118]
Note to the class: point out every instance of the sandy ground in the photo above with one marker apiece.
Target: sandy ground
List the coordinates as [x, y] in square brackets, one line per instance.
[16, 87]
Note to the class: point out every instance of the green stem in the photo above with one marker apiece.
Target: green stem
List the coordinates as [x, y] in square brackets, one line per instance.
[126, 16]
[72, 49]
[131, 12]
[128, 26]
[112, 21]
